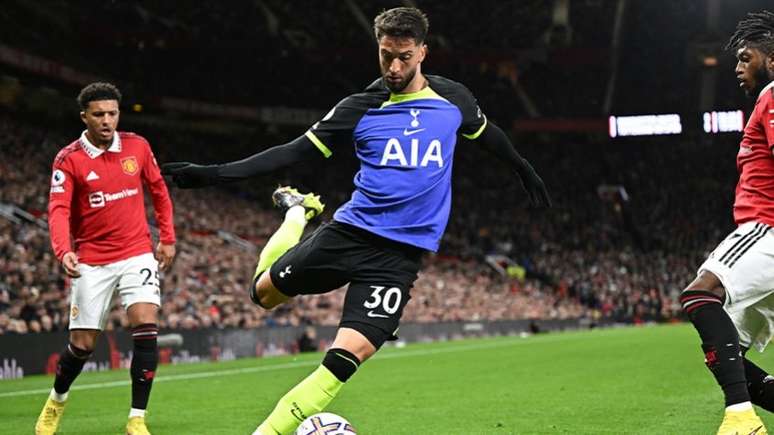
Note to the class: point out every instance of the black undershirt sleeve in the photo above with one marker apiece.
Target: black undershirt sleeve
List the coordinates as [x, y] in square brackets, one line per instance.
[494, 140]
[277, 157]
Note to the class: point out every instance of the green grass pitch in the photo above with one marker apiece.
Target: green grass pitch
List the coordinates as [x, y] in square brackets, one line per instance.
[647, 380]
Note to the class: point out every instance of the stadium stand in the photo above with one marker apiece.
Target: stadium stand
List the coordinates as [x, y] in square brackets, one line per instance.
[596, 256]
[620, 243]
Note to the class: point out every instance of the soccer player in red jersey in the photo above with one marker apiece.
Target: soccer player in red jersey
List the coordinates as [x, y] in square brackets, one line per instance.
[100, 234]
[731, 301]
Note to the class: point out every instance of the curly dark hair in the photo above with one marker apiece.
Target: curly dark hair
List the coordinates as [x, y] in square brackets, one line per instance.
[96, 92]
[757, 31]
[402, 22]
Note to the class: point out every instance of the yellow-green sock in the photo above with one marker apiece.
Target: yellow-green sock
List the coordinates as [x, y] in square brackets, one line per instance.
[307, 398]
[287, 236]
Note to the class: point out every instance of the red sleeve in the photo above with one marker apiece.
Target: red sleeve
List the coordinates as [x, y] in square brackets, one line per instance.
[59, 204]
[162, 203]
[767, 117]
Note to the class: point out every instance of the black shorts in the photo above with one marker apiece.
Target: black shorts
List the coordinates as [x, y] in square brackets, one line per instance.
[380, 273]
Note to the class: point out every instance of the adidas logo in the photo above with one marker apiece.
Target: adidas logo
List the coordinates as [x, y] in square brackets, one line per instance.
[92, 176]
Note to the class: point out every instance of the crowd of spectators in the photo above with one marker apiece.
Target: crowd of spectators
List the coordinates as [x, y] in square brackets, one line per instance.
[627, 231]
[595, 256]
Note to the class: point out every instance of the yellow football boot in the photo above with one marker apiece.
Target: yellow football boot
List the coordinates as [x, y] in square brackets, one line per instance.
[742, 423]
[136, 426]
[48, 420]
[285, 197]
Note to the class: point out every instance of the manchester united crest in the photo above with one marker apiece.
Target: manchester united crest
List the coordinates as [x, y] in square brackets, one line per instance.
[129, 165]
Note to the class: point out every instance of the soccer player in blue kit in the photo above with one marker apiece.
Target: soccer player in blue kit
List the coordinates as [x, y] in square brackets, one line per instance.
[404, 129]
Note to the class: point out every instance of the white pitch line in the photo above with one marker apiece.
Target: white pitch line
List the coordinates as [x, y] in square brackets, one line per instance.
[290, 365]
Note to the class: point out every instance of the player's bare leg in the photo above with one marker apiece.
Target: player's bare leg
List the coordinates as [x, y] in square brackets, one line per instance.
[299, 209]
[85, 338]
[703, 302]
[267, 295]
[143, 318]
[355, 343]
[313, 394]
[69, 366]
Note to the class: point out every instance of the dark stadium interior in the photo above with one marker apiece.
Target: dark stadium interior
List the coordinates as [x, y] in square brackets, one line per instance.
[598, 254]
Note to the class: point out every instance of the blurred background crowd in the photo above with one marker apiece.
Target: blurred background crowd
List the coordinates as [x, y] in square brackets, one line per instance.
[593, 255]
[632, 218]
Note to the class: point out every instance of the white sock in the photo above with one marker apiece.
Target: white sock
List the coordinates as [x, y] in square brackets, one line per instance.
[58, 397]
[297, 214]
[744, 406]
[134, 412]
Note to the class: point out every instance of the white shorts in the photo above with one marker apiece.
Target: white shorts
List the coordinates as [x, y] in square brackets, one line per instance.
[744, 264]
[136, 279]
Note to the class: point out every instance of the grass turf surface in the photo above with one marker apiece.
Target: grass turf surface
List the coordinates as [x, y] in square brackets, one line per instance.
[648, 380]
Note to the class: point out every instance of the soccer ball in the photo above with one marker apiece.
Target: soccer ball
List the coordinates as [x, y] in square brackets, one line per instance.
[325, 423]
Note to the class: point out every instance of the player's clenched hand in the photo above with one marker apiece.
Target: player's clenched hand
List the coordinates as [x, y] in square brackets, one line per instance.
[533, 184]
[70, 264]
[164, 255]
[189, 175]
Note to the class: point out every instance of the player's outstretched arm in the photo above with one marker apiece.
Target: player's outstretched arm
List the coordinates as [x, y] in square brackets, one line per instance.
[495, 141]
[191, 176]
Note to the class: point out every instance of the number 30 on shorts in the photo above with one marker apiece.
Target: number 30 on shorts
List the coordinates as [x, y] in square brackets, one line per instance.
[390, 300]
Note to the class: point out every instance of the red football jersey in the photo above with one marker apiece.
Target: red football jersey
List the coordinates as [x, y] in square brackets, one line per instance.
[755, 162]
[97, 197]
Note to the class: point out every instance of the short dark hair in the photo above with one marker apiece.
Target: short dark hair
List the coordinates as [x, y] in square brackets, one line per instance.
[402, 22]
[96, 92]
[757, 31]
